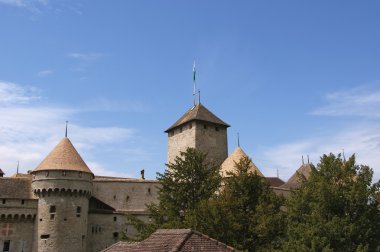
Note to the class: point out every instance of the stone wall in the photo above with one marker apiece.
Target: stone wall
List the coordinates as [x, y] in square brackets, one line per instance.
[126, 194]
[17, 224]
[212, 139]
[179, 139]
[106, 229]
[206, 137]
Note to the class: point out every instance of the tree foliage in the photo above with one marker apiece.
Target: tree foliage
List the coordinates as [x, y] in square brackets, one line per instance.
[186, 182]
[335, 209]
[245, 214]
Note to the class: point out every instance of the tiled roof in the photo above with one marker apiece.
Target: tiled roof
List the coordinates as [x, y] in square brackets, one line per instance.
[173, 240]
[16, 188]
[64, 156]
[198, 113]
[294, 181]
[275, 181]
[229, 164]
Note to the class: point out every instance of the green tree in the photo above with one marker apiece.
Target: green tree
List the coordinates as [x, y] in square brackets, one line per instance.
[245, 214]
[186, 182]
[335, 209]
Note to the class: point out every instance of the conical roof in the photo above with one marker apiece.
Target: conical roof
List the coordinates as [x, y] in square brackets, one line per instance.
[294, 181]
[229, 164]
[198, 113]
[64, 156]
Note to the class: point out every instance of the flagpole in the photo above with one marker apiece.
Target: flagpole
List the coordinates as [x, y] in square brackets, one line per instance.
[195, 88]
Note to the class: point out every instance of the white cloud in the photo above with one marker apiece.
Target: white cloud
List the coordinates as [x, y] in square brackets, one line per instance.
[16, 3]
[45, 73]
[86, 56]
[99, 170]
[361, 101]
[362, 139]
[11, 93]
[33, 6]
[359, 137]
[29, 132]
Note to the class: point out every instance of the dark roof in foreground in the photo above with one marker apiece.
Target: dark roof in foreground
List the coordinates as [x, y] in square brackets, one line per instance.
[173, 240]
[198, 113]
[1, 172]
[16, 188]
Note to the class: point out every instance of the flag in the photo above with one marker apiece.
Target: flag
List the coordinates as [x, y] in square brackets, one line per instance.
[194, 72]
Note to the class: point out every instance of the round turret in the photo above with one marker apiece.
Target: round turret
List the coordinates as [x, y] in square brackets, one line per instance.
[63, 183]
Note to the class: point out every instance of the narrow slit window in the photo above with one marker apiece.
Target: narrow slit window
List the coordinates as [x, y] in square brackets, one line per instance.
[79, 210]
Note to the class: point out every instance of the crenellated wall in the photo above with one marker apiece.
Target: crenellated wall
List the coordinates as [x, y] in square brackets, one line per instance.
[17, 223]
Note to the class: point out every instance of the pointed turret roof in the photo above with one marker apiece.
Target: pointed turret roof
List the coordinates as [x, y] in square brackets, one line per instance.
[64, 156]
[294, 181]
[229, 164]
[198, 113]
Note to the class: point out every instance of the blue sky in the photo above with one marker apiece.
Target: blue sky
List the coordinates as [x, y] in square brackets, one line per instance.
[293, 77]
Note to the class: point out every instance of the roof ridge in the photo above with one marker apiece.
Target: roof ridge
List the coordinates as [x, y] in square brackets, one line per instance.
[183, 242]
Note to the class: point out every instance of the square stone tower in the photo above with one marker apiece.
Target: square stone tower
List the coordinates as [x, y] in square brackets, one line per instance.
[200, 129]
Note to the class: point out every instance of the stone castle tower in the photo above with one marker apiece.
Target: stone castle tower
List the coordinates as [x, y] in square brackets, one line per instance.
[201, 129]
[63, 184]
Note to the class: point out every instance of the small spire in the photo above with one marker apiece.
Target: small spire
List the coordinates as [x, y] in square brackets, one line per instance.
[238, 136]
[278, 176]
[199, 96]
[308, 161]
[18, 165]
[344, 157]
[67, 122]
[303, 162]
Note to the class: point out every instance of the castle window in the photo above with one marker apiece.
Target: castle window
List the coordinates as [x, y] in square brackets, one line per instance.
[149, 191]
[79, 210]
[115, 235]
[6, 246]
[63, 173]
[204, 126]
[114, 218]
[190, 125]
[47, 174]
[4, 201]
[52, 212]
[127, 198]
[22, 202]
[114, 197]
[80, 174]
[45, 236]
[180, 130]
[216, 128]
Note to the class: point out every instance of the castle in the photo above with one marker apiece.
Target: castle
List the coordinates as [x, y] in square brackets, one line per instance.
[62, 206]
